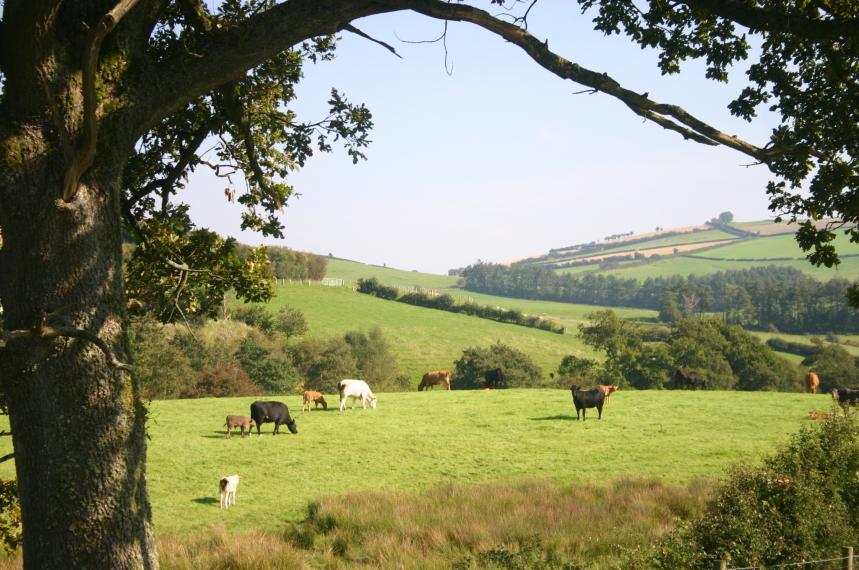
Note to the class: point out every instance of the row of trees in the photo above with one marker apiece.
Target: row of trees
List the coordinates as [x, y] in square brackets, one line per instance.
[290, 264]
[780, 297]
[727, 356]
[445, 302]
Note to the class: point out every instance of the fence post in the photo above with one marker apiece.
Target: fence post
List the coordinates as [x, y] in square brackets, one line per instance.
[719, 564]
[847, 554]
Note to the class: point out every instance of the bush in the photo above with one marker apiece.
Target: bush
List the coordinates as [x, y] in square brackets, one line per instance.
[222, 381]
[324, 363]
[255, 315]
[163, 369]
[519, 370]
[373, 357]
[373, 287]
[271, 375]
[10, 515]
[798, 505]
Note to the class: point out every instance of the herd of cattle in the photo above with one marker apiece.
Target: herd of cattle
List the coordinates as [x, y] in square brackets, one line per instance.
[277, 412]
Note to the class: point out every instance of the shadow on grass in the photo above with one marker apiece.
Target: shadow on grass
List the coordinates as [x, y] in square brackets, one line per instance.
[567, 418]
[206, 500]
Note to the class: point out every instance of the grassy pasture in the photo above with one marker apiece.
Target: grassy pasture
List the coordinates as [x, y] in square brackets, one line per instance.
[414, 441]
[696, 237]
[423, 339]
[353, 270]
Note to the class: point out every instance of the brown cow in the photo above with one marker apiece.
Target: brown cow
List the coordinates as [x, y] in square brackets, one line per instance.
[430, 379]
[239, 421]
[830, 416]
[316, 398]
[812, 382]
[609, 390]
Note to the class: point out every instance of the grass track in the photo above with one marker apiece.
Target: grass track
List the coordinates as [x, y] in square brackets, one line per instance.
[352, 270]
[415, 440]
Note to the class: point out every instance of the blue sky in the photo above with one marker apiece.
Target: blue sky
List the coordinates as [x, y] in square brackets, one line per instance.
[500, 160]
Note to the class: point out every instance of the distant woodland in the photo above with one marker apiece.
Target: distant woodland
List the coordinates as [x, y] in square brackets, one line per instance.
[772, 298]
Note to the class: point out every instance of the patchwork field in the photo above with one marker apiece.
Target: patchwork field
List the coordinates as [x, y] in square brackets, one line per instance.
[414, 441]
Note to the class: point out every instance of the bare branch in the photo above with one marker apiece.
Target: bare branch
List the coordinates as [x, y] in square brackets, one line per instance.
[356, 31]
[7, 457]
[696, 129]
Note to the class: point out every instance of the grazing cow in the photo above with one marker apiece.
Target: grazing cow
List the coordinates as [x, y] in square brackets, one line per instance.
[494, 378]
[430, 380]
[276, 412]
[692, 379]
[846, 397]
[590, 399]
[356, 389]
[609, 390]
[239, 421]
[316, 398]
[228, 490]
[811, 383]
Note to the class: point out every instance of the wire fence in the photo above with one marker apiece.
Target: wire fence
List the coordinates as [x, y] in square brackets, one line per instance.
[844, 562]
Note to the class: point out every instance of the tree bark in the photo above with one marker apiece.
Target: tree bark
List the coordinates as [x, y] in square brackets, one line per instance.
[79, 425]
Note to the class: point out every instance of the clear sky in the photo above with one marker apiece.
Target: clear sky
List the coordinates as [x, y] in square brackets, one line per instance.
[500, 160]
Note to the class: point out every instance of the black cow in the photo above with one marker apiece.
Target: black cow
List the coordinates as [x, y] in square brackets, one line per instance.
[846, 397]
[591, 399]
[689, 378]
[494, 378]
[262, 412]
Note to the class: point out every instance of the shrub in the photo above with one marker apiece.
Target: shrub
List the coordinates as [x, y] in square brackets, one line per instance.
[222, 381]
[163, 369]
[324, 363]
[373, 287]
[10, 515]
[255, 315]
[519, 370]
[290, 322]
[798, 505]
[271, 375]
[373, 358]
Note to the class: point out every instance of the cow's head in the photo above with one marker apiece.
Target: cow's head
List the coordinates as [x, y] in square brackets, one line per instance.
[292, 427]
[835, 393]
[372, 401]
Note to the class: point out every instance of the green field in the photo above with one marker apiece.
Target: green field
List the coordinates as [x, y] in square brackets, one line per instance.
[352, 270]
[415, 440]
[428, 339]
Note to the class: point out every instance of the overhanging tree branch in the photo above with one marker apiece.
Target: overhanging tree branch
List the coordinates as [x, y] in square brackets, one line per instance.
[696, 129]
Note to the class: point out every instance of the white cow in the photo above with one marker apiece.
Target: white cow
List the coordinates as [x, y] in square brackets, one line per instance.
[228, 490]
[356, 389]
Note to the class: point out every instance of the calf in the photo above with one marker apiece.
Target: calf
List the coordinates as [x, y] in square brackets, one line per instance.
[590, 399]
[276, 412]
[430, 379]
[316, 398]
[609, 390]
[829, 416]
[355, 389]
[228, 490]
[241, 422]
[846, 397]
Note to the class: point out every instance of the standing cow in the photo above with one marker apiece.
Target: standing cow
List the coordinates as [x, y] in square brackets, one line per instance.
[357, 390]
[494, 378]
[239, 421]
[811, 383]
[689, 378]
[430, 380]
[590, 399]
[277, 412]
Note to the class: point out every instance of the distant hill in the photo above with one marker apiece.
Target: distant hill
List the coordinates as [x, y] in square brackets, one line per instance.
[697, 250]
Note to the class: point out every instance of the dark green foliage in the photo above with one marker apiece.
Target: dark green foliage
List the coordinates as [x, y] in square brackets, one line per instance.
[222, 381]
[273, 376]
[519, 370]
[255, 315]
[799, 505]
[324, 363]
[799, 348]
[290, 322]
[289, 264]
[372, 286]
[532, 556]
[726, 356]
[163, 369]
[375, 361]
[10, 516]
[760, 296]
[834, 366]
[583, 369]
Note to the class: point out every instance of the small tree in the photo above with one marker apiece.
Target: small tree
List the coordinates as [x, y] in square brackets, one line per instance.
[222, 381]
[290, 322]
[519, 370]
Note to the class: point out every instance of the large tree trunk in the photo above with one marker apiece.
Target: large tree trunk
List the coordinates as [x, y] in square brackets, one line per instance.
[78, 424]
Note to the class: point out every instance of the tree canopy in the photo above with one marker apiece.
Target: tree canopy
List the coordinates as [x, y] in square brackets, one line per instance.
[108, 104]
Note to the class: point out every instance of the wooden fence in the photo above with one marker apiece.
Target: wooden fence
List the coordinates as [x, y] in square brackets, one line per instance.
[845, 562]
